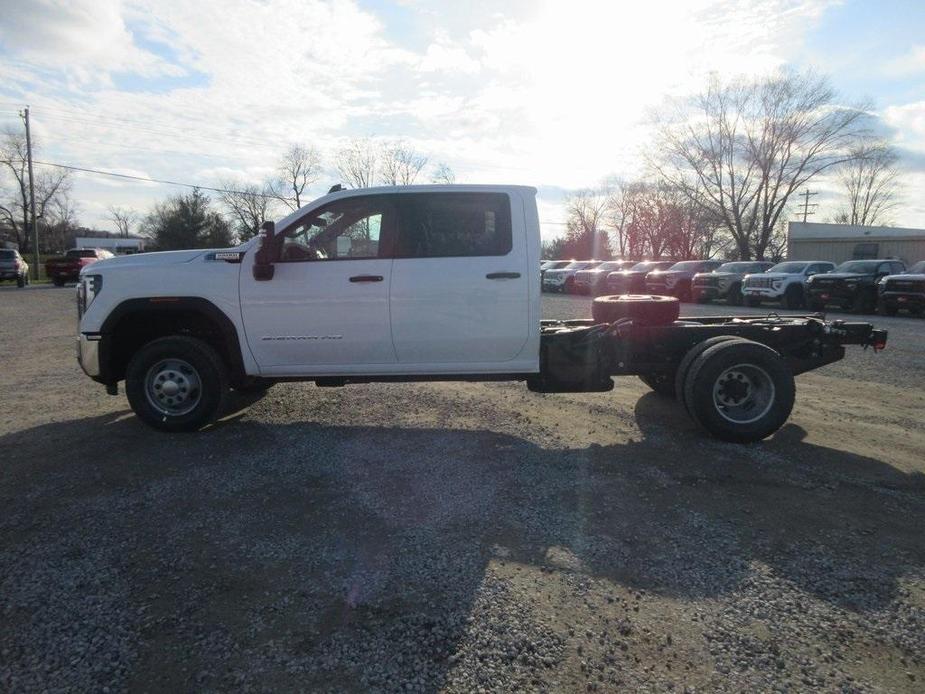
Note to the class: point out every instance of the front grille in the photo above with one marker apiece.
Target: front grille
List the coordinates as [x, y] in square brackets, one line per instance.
[759, 282]
[824, 284]
[705, 281]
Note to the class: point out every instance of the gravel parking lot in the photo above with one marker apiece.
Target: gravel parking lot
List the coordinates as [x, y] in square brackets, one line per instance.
[458, 537]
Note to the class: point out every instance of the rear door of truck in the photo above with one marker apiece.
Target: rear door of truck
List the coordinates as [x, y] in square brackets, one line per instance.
[460, 293]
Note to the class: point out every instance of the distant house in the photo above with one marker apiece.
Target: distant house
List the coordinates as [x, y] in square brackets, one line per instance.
[840, 242]
[120, 245]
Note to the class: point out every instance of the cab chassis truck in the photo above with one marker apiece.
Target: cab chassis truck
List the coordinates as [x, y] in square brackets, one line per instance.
[420, 283]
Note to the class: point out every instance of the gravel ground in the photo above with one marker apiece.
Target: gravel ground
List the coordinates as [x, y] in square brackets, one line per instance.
[458, 537]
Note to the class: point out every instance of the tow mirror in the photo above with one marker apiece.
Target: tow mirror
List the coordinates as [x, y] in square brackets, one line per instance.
[263, 259]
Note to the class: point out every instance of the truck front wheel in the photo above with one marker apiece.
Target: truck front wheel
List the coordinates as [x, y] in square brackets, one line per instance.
[740, 391]
[176, 384]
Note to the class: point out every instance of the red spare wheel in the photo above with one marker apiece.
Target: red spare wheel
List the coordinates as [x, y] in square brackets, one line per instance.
[644, 309]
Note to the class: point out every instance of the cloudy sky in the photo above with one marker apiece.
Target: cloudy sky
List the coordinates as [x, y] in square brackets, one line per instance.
[550, 94]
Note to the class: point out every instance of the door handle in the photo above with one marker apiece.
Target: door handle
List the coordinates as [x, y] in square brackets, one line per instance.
[366, 278]
[502, 275]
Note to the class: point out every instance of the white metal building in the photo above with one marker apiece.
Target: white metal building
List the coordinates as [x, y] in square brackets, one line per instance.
[840, 242]
[120, 245]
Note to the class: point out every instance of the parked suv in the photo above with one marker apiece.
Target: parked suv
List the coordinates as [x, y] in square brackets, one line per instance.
[851, 285]
[676, 280]
[13, 267]
[563, 279]
[905, 291]
[784, 283]
[725, 282]
[633, 280]
[552, 265]
[594, 281]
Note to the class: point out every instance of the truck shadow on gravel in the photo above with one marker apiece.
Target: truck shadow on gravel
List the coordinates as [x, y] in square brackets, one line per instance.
[357, 558]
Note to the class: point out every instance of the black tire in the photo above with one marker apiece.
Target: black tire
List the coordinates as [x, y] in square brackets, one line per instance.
[644, 309]
[254, 385]
[734, 295]
[680, 375]
[816, 306]
[793, 297]
[740, 391]
[752, 302]
[210, 373]
[661, 383]
[21, 281]
[866, 302]
[57, 281]
[886, 310]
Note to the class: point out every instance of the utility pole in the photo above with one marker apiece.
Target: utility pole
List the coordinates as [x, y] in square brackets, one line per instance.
[806, 205]
[35, 225]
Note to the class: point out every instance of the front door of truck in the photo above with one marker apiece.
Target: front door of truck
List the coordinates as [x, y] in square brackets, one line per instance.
[327, 305]
[460, 280]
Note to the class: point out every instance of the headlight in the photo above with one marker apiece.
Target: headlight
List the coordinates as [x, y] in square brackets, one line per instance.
[851, 284]
[776, 283]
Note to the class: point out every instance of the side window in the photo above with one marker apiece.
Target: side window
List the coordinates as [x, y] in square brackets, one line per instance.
[898, 268]
[443, 225]
[884, 268]
[354, 228]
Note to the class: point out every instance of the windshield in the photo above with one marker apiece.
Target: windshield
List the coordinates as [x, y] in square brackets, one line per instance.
[580, 265]
[611, 265]
[741, 267]
[918, 268]
[77, 253]
[650, 265]
[687, 265]
[860, 267]
[789, 268]
[7, 255]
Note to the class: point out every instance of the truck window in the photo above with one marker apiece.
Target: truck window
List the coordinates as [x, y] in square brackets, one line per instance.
[442, 225]
[350, 229]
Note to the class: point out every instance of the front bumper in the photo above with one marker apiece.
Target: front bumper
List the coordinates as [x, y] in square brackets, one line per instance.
[762, 292]
[88, 354]
[838, 296]
[706, 292]
[913, 300]
[553, 286]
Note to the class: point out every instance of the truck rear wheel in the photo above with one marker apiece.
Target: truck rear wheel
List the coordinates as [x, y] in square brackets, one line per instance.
[684, 366]
[740, 391]
[176, 384]
[644, 309]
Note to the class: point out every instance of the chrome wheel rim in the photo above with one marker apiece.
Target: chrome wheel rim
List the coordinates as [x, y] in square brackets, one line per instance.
[743, 394]
[173, 387]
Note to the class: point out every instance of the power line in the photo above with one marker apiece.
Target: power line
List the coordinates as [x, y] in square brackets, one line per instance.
[154, 180]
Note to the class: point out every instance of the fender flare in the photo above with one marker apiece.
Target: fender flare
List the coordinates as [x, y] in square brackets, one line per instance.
[170, 304]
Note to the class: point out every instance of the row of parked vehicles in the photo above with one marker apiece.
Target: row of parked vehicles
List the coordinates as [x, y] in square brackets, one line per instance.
[864, 286]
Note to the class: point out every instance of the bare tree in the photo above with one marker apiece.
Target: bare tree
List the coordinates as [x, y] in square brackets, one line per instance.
[124, 219]
[249, 205]
[299, 168]
[399, 164]
[585, 236]
[870, 180]
[14, 186]
[442, 173]
[747, 146]
[357, 163]
[60, 224]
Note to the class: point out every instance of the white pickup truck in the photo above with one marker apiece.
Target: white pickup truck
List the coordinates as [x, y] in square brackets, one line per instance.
[418, 283]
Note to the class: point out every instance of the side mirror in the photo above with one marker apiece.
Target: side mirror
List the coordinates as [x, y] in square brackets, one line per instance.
[263, 259]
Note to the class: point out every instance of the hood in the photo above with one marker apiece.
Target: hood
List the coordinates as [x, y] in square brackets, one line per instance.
[917, 277]
[722, 275]
[842, 276]
[158, 258]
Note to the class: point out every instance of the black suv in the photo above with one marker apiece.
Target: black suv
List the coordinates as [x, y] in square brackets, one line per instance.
[851, 285]
[905, 291]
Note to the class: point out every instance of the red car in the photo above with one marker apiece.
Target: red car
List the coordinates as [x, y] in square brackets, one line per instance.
[67, 268]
